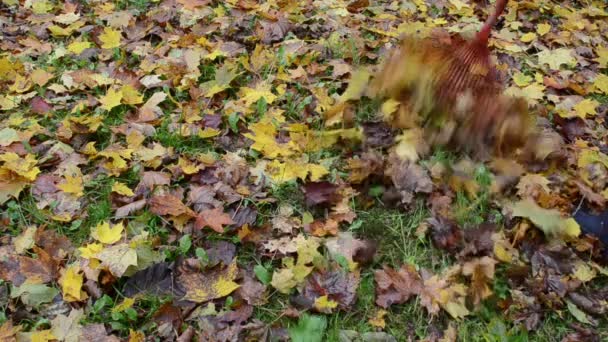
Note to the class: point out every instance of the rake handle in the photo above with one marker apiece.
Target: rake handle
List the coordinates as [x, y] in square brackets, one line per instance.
[484, 33]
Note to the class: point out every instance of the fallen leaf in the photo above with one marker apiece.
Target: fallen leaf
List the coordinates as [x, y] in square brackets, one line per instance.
[396, 286]
[213, 218]
[110, 38]
[550, 221]
[106, 234]
[218, 283]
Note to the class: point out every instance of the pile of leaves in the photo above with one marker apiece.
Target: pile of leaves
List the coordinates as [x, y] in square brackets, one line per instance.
[213, 171]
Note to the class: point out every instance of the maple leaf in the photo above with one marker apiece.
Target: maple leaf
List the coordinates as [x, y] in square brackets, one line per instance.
[224, 75]
[71, 284]
[68, 328]
[72, 185]
[437, 293]
[169, 205]
[130, 95]
[77, 47]
[118, 258]
[104, 234]
[202, 287]
[8, 331]
[601, 83]
[34, 294]
[396, 287]
[24, 167]
[556, 58]
[213, 218]
[111, 99]
[543, 29]
[122, 189]
[550, 221]
[251, 95]
[481, 271]
[586, 107]
[110, 38]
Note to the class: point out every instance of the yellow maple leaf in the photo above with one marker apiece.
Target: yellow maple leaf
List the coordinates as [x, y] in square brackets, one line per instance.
[208, 132]
[602, 56]
[130, 95]
[528, 37]
[24, 167]
[521, 79]
[187, 166]
[72, 185]
[252, 95]
[42, 336]
[110, 38]
[324, 304]
[71, 284]
[316, 171]
[283, 280]
[136, 336]
[264, 140]
[104, 234]
[601, 83]
[41, 6]
[122, 189]
[543, 29]
[111, 99]
[77, 47]
[586, 107]
[556, 58]
[126, 303]
[378, 319]
[90, 250]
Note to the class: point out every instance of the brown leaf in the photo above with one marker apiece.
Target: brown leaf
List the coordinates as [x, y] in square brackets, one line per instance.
[367, 164]
[57, 246]
[317, 193]
[396, 287]
[357, 6]
[378, 134]
[446, 234]
[481, 271]
[338, 285]
[8, 332]
[39, 105]
[168, 314]
[204, 286]
[97, 332]
[149, 179]
[169, 205]
[347, 246]
[274, 31]
[252, 291]
[214, 219]
[128, 209]
[18, 269]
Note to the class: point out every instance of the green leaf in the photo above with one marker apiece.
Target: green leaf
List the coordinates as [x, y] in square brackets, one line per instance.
[262, 274]
[309, 329]
[185, 243]
[34, 294]
[577, 313]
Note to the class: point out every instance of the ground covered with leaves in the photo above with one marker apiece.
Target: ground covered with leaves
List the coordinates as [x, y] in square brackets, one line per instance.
[169, 171]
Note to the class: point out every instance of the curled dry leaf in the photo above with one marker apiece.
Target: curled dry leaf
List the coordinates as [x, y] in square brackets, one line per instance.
[396, 286]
